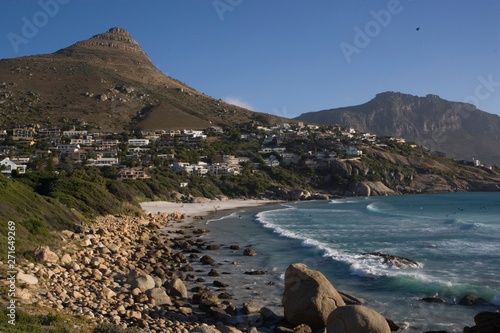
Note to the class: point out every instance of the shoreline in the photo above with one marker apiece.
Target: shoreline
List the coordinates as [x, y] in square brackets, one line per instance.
[166, 247]
[191, 210]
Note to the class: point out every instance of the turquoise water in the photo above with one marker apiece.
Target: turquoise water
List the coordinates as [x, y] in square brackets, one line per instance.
[455, 238]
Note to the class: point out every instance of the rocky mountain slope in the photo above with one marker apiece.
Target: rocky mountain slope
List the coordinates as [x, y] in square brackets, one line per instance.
[109, 83]
[458, 129]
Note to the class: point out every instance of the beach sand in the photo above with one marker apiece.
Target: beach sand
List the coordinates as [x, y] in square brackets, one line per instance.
[203, 208]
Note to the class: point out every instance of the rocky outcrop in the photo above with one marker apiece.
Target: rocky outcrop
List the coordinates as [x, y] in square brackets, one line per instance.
[366, 189]
[486, 322]
[309, 297]
[356, 319]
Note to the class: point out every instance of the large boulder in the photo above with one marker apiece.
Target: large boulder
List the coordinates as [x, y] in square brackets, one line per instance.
[356, 319]
[44, 254]
[158, 296]
[486, 322]
[139, 279]
[177, 288]
[309, 297]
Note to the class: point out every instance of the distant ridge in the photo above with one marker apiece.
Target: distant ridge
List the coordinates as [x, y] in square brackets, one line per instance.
[107, 83]
[458, 129]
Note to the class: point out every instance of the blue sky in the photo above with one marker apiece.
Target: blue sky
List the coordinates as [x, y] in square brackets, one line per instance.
[287, 57]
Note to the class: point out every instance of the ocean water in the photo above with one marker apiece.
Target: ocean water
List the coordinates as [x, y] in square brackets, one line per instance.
[455, 238]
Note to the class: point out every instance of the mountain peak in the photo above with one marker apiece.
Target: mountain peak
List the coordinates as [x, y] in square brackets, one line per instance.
[115, 37]
[114, 45]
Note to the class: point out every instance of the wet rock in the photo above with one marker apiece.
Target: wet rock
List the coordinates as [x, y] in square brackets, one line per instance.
[213, 273]
[249, 252]
[219, 284]
[435, 300]
[256, 272]
[251, 307]
[486, 322]
[472, 300]
[207, 260]
[399, 262]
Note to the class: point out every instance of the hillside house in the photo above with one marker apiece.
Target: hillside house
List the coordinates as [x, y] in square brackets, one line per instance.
[49, 133]
[222, 169]
[272, 161]
[215, 130]
[99, 162]
[74, 134]
[131, 173]
[7, 167]
[25, 133]
[138, 142]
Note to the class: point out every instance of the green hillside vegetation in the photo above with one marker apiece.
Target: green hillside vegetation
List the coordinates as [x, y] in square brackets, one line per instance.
[35, 216]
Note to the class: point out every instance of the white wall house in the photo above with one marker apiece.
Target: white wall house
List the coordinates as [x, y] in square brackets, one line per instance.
[138, 142]
[102, 161]
[8, 166]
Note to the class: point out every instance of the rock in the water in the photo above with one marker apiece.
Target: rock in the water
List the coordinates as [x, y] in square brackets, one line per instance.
[309, 297]
[207, 260]
[177, 288]
[219, 284]
[436, 300]
[159, 296]
[356, 319]
[390, 260]
[251, 307]
[44, 254]
[472, 300]
[486, 322]
[249, 252]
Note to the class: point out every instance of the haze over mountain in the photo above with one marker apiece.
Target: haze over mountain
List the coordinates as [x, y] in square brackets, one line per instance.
[109, 83]
[458, 129]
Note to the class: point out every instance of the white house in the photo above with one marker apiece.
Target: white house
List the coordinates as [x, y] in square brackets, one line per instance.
[138, 142]
[8, 166]
[102, 161]
[272, 161]
[74, 134]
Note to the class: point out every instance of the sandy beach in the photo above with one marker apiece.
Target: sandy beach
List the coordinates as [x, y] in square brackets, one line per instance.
[201, 208]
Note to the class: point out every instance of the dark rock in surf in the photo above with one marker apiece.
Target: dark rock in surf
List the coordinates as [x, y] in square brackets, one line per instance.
[249, 252]
[256, 272]
[435, 300]
[486, 322]
[473, 300]
[396, 261]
